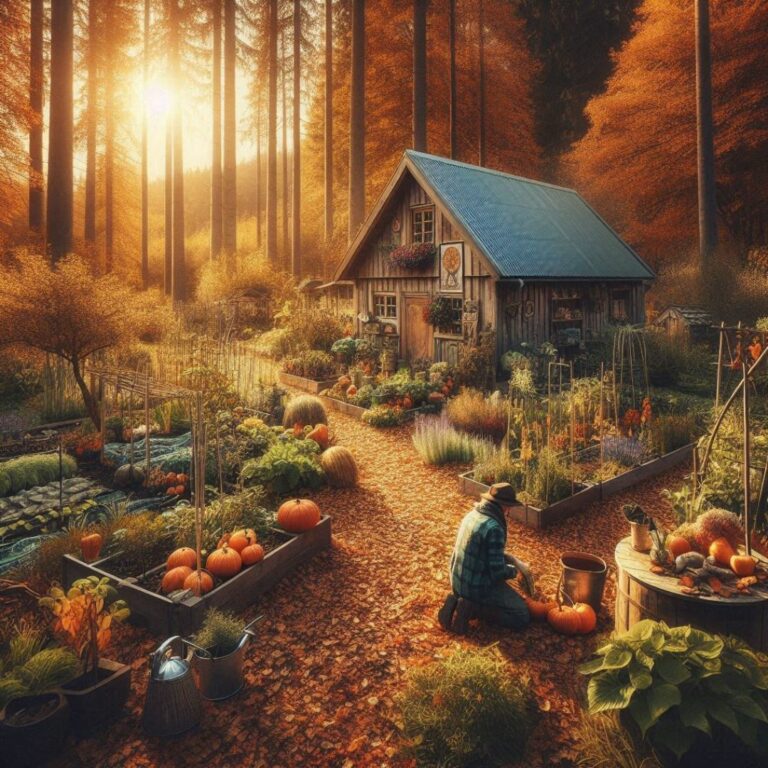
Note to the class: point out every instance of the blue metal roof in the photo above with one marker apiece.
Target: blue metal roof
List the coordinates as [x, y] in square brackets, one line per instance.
[528, 228]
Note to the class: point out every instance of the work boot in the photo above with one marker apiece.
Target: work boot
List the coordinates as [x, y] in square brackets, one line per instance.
[445, 614]
[465, 611]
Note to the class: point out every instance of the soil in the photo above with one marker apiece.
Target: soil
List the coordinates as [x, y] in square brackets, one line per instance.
[342, 631]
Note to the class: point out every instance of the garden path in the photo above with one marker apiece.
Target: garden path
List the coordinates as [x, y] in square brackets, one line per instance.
[341, 632]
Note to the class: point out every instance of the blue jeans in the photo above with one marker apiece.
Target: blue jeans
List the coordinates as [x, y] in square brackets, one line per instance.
[503, 605]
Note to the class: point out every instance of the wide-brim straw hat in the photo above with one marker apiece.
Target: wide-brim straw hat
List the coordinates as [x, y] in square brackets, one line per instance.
[501, 493]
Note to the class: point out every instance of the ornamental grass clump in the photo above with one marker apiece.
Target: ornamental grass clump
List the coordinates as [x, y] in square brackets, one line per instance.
[627, 451]
[304, 410]
[546, 478]
[311, 364]
[498, 466]
[473, 412]
[467, 710]
[29, 471]
[220, 633]
[438, 442]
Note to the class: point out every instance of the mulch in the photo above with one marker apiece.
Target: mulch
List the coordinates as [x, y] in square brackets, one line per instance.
[341, 632]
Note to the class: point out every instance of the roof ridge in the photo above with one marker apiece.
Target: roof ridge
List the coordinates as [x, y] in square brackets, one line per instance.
[412, 153]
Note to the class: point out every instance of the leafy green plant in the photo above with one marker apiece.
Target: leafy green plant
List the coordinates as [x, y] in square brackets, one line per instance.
[311, 364]
[288, 465]
[383, 416]
[498, 466]
[220, 633]
[467, 710]
[677, 684]
[471, 411]
[439, 313]
[142, 541]
[437, 442]
[275, 343]
[36, 469]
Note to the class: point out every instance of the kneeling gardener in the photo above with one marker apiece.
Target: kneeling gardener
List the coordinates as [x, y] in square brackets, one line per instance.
[480, 568]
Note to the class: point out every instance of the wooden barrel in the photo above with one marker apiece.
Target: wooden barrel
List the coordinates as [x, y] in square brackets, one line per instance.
[641, 594]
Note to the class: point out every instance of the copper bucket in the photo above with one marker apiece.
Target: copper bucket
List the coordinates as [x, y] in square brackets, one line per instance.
[583, 578]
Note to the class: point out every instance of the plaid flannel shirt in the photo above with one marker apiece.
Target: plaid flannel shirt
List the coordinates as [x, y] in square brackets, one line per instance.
[478, 562]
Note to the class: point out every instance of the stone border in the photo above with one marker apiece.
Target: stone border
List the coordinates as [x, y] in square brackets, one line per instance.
[166, 617]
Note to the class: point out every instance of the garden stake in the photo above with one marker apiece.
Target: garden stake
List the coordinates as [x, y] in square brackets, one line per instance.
[719, 377]
[745, 427]
[146, 434]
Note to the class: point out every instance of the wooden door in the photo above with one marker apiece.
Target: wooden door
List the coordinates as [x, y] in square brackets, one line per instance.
[417, 332]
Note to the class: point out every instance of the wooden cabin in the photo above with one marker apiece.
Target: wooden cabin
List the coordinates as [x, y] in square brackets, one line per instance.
[689, 324]
[530, 260]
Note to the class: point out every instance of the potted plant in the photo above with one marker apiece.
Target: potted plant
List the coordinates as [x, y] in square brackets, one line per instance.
[84, 616]
[439, 313]
[640, 526]
[34, 719]
[220, 646]
[414, 256]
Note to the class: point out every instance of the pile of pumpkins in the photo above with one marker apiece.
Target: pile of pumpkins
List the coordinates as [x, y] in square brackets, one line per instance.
[575, 619]
[176, 483]
[235, 551]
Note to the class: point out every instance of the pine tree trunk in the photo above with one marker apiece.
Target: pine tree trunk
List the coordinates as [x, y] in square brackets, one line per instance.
[357, 121]
[35, 215]
[452, 99]
[89, 233]
[705, 135]
[178, 287]
[216, 180]
[59, 230]
[258, 168]
[145, 159]
[168, 253]
[328, 120]
[296, 201]
[272, 139]
[109, 159]
[481, 86]
[420, 75]
[230, 135]
[285, 249]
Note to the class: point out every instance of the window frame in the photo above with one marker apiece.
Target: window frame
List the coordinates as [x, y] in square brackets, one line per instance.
[421, 210]
[457, 325]
[616, 295]
[385, 304]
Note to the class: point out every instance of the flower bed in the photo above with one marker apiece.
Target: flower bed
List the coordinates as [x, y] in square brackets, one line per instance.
[165, 616]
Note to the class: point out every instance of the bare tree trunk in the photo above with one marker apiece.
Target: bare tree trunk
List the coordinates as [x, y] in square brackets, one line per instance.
[230, 135]
[145, 159]
[35, 214]
[59, 230]
[420, 75]
[168, 256]
[705, 131]
[258, 168]
[272, 139]
[90, 127]
[357, 121]
[285, 249]
[452, 100]
[216, 180]
[481, 85]
[91, 405]
[179, 273]
[296, 201]
[328, 120]
[109, 158]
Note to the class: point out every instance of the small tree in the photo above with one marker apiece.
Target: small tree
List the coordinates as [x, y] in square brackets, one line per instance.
[68, 311]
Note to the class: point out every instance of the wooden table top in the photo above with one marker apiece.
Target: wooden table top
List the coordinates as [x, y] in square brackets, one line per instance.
[638, 564]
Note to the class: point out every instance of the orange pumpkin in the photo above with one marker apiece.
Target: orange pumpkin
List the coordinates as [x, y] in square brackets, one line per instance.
[320, 435]
[722, 551]
[539, 608]
[298, 515]
[587, 617]
[171, 491]
[436, 397]
[351, 390]
[344, 381]
[182, 556]
[677, 545]
[181, 478]
[743, 565]
[239, 540]
[175, 578]
[90, 546]
[179, 490]
[199, 585]
[171, 479]
[565, 620]
[407, 402]
[251, 554]
[224, 562]
[298, 430]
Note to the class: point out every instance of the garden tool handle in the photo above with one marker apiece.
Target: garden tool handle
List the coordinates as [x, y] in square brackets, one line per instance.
[247, 627]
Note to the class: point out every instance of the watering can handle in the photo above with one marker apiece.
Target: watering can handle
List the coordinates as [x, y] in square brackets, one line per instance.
[158, 655]
[203, 651]
[247, 627]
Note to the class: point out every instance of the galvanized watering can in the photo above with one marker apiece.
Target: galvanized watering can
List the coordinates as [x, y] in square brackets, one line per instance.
[173, 703]
[220, 677]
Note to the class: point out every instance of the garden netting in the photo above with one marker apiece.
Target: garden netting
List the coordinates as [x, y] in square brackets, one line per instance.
[171, 454]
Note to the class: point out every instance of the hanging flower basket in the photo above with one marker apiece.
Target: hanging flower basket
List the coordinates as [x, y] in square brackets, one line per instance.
[414, 256]
[439, 313]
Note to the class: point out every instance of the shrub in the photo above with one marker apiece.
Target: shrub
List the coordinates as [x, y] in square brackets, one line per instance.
[304, 410]
[220, 633]
[627, 451]
[467, 710]
[498, 466]
[36, 672]
[678, 685]
[288, 465]
[275, 343]
[546, 478]
[477, 362]
[313, 328]
[28, 471]
[384, 416]
[672, 431]
[311, 364]
[472, 412]
[437, 442]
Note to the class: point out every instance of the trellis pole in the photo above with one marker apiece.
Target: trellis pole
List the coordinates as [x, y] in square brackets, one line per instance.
[745, 427]
[719, 378]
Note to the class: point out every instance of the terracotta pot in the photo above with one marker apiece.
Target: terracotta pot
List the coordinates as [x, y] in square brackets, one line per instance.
[35, 742]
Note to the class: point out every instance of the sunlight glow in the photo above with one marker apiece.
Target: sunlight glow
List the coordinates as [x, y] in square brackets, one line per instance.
[157, 99]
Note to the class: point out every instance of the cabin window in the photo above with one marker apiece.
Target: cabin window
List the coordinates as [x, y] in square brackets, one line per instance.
[423, 225]
[457, 306]
[620, 306]
[385, 305]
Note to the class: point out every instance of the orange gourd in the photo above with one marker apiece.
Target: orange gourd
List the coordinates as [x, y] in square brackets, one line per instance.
[564, 620]
[90, 546]
[181, 479]
[224, 562]
[344, 381]
[182, 556]
[298, 515]
[239, 540]
[539, 608]
[171, 491]
[743, 565]
[175, 578]
[251, 554]
[171, 479]
[351, 390]
[201, 585]
[320, 435]
[298, 430]
[722, 551]
[587, 617]
[179, 490]
[407, 402]
[677, 545]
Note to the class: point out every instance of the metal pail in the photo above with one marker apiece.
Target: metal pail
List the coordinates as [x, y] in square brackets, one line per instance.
[641, 537]
[583, 578]
[220, 677]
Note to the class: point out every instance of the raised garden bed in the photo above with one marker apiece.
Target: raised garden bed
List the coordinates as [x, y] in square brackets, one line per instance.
[357, 412]
[313, 386]
[535, 517]
[167, 617]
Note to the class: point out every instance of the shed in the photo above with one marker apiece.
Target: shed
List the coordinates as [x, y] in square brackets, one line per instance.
[693, 324]
[528, 259]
